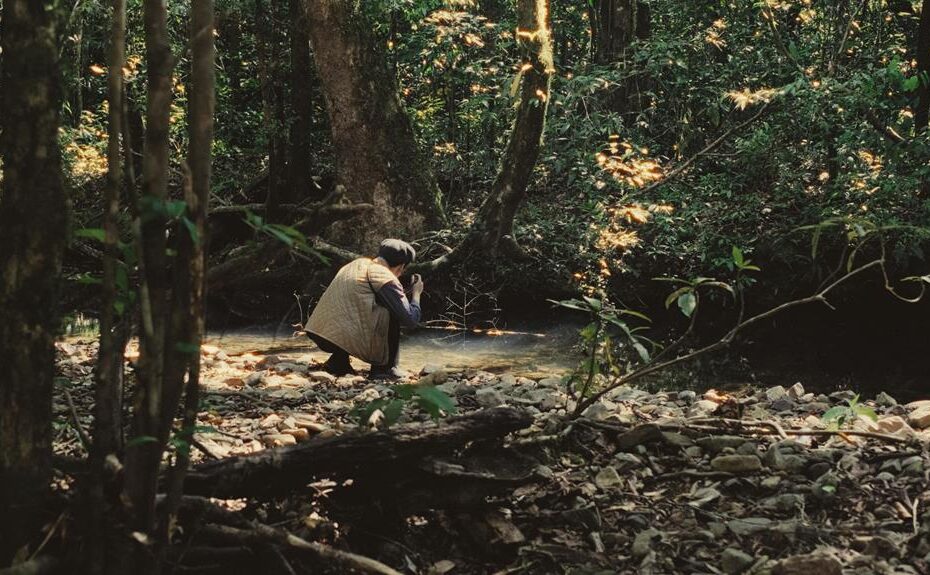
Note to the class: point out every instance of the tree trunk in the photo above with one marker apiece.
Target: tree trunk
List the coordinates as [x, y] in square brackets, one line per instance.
[300, 187]
[144, 451]
[614, 27]
[108, 400]
[493, 228]
[377, 159]
[922, 113]
[269, 55]
[34, 213]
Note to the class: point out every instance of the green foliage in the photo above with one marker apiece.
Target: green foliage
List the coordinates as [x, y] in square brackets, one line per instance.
[426, 398]
[288, 235]
[843, 415]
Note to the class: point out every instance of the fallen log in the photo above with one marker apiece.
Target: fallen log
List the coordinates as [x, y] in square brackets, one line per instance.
[282, 470]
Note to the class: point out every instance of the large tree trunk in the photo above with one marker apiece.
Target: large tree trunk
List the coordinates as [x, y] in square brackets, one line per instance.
[613, 29]
[377, 159]
[33, 233]
[922, 113]
[299, 185]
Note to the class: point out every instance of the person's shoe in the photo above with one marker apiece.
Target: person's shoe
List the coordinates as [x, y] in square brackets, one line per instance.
[390, 373]
[338, 369]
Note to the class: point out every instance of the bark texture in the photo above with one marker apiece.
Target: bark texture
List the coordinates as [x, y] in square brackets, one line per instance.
[33, 234]
[613, 28]
[377, 159]
[299, 185]
[268, 41]
[280, 470]
[493, 227]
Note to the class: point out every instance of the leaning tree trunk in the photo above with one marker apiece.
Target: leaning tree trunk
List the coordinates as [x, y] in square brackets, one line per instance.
[33, 234]
[377, 159]
[493, 228]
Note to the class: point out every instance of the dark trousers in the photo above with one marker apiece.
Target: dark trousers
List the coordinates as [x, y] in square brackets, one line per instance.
[340, 357]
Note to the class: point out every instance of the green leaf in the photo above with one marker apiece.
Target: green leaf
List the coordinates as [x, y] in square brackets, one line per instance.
[174, 208]
[191, 230]
[676, 294]
[593, 303]
[405, 391]
[91, 233]
[635, 314]
[393, 411]
[686, 303]
[588, 332]
[737, 257]
[834, 413]
[829, 488]
[87, 279]
[436, 397]
[281, 236]
[865, 411]
[641, 350]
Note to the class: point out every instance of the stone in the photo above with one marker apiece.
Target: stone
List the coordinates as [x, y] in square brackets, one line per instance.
[748, 525]
[278, 440]
[785, 503]
[299, 433]
[597, 411]
[551, 382]
[885, 400]
[796, 391]
[818, 407]
[642, 544]
[918, 404]
[842, 396]
[436, 377]
[430, 368]
[255, 378]
[736, 463]
[810, 564]
[775, 393]
[627, 461]
[367, 395]
[748, 448]
[717, 443]
[285, 393]
[733, 561]
[286, 366]
[694, 452]
[489, 397]
[271, 421]
[267, 361]
[321, 376]
[920, 417]
[702, 408]
[676, 439]
[771, 482]
[817, 469]
[608, 478]
[687, 396]
[645, 433]
[783, 404]
[894, 424]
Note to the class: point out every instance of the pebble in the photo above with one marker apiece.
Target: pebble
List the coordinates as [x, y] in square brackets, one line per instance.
[278, 440]
[736, 463]
[796, 391]
[733, 561]
[920, 417]
[717, 443]
[687, 396]
[811, 564]
[642, 544]
[608, 478]
[321, 376]
[748, 525]
[489, 397]
[885, 400]
[702, 408]
[775, 393]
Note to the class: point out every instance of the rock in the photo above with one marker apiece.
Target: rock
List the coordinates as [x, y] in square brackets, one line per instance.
[437, 377]
[687, 396]
[694, 452]
[286, 366]
[775, 393]
[367, 395]
[796, 391]
[645, 433]
[733, 561]
[278, 439]
[608, 478]
[321, 376]
[736, 463]
[255, 378]
[885, 400]
[627, 461]
[642, 544]
[817, 469]
[702, 408]
[717, 443]
[894, 424]
[430, 368]
[271, 421]
[818, 407]
[920, 417]
[545, 399]
[267, 361]
[785, 503]
[811, 564]
[285, 393]
[598, 411]
[677, 439]
[551, 382]
[489, 397]
[771, 482]
[918, 404]
[748, 525]
[783, 404]
[777, 459]
[299, 433]
[748, 448]
[842, 396]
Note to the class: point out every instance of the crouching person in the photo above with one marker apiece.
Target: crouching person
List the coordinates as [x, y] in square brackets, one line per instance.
[361, 312]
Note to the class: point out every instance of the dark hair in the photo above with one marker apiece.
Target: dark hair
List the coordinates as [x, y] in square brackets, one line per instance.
[396, 252]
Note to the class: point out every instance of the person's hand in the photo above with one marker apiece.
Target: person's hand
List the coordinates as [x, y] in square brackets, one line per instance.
[416, 286]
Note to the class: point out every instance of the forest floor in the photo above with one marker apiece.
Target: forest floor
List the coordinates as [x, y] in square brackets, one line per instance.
[651, 483]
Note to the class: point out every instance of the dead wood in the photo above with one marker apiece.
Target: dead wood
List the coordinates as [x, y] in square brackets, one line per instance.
[289, 468]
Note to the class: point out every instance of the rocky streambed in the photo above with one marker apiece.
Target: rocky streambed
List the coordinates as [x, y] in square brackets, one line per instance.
[669, 482]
